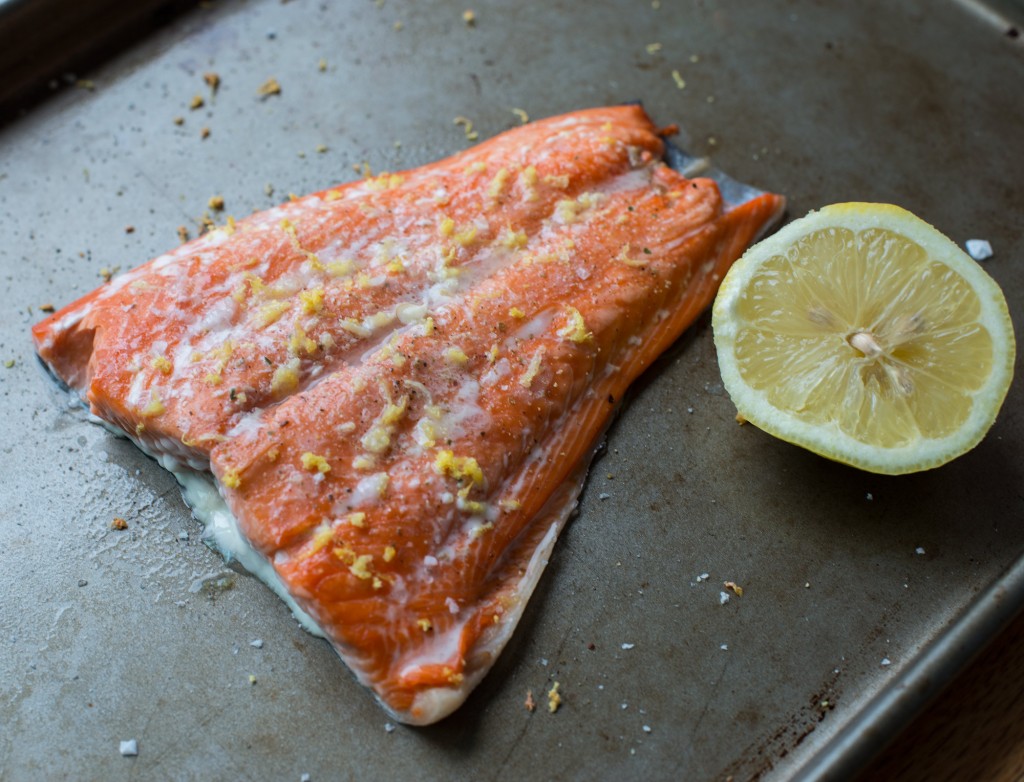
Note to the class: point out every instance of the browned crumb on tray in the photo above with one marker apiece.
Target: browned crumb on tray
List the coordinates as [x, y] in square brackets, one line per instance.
[47, 307]
[529, 702]
[118, 523]
[183, 233]
[204, 133]
[212, 79]
[740, 419]
[269, 87]
[197, 102]
[554, 699]
[216, 202]
[735, 588]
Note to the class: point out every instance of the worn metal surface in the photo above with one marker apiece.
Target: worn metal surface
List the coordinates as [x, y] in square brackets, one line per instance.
[848, 577]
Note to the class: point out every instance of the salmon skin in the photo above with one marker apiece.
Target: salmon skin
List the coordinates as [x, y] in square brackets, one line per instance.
[399, 383]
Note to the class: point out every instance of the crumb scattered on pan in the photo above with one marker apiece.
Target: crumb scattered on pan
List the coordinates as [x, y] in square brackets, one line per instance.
[740, 419]
[735, 588]
[47, 307]
[554, 699]
[86, 84]
[469, 17]
[118, 523]
[9, 363]
[321, 148]
[197, 102]
[216, 202]
[129, 229]
[179, 120]
[252, 679]
[212, 79]
[183, 233]
[398, 26]
[107, 273]
[653, 48]
[522, 115]
[677, 77]
[269, 87]
[322, 65]
[529, 702]
[204, 133]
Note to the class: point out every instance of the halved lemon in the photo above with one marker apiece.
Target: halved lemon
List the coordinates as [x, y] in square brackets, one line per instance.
[863, 334]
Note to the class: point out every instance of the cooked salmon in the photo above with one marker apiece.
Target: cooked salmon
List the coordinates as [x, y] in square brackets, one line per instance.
[399, 383]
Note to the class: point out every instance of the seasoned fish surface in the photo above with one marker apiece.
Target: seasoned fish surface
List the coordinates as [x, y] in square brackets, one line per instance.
[399, 383]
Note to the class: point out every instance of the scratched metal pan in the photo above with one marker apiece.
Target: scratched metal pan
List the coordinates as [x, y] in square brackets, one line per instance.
[862, 594]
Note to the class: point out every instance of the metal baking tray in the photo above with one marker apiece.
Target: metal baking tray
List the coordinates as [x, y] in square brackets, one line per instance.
[862, 594]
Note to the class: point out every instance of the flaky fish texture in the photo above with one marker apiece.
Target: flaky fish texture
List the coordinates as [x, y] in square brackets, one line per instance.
[399, 383]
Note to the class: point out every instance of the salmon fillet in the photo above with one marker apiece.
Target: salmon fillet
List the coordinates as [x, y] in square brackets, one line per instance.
[399, 383]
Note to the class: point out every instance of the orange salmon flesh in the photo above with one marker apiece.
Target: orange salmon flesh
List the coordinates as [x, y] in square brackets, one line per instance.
[399, 383]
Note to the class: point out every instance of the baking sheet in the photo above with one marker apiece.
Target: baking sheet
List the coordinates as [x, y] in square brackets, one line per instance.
[861, 593]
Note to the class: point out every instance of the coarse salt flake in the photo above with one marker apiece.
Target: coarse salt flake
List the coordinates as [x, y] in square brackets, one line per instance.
[129, 748]
[979, 249]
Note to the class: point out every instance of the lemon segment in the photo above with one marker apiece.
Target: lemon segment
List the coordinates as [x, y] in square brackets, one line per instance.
[863, 334]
